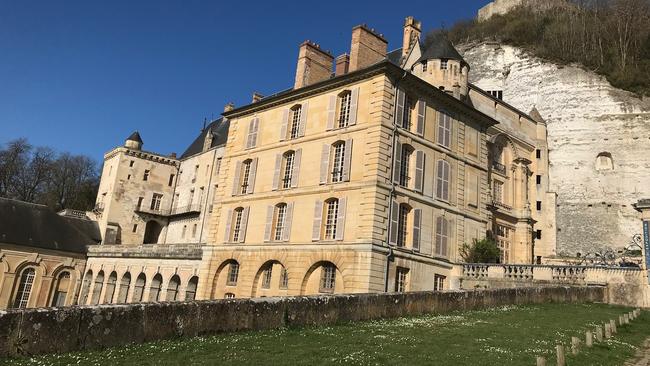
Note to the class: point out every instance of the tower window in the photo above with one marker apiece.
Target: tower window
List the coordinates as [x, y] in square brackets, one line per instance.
[424, 66]
[444, 64]
[539, 205]
[538, 153]
[146, 175]
[538, 179]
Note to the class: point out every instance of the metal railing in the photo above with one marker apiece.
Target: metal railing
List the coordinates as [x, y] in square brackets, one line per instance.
[499, 168]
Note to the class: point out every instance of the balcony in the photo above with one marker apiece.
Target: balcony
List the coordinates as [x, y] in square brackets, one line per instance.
[194, 209]
[152, 211]
[499, 203]
[499, 168]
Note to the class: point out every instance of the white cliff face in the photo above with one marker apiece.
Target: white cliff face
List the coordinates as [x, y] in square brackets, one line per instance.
[586, 117]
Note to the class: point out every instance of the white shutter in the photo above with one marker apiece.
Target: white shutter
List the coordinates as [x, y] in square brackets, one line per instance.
[226, 237]
[347, 160]
[354, 102]
[288, 217]
[296, 168]
[244, 224]
[394, 222]
[419, 170]
[303, 119]
[269, 223]
[276, 172]
[417, 225]
[399, 114]
[331, 110]
[256, 126]
[445, 180]
[251, 176]
[318, 219]
[422, 110]
[235, 184]
[445, 241]
[397, 165]
[284, 124]
[340, 219]
[324, 163]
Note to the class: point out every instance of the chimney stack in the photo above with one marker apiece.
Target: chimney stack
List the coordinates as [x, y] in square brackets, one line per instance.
[342, 64]
[368, 47]
[228, 107]
[314, 65]
[412, 31]
[257, 97]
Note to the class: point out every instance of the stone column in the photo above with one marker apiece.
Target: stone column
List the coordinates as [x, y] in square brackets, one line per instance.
[643, 206]
[524, 227]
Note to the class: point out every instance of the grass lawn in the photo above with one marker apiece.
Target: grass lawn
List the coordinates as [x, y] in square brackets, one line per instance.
[510, 335]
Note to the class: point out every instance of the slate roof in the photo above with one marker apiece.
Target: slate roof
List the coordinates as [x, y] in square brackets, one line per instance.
[437, 46]
[135, 136]
[37, 226]
[219, 130]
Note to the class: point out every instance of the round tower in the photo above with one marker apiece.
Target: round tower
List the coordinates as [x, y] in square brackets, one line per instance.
[442, 66]
[134, 141]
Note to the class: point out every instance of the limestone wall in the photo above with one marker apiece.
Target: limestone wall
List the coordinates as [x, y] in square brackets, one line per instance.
[37, 331]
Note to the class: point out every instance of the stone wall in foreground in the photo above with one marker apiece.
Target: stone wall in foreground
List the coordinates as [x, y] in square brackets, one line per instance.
[54, 330]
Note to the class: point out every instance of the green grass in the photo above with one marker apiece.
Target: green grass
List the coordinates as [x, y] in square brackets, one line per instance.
[502, 336]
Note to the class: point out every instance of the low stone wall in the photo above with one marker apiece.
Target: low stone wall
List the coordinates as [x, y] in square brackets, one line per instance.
[50, 330]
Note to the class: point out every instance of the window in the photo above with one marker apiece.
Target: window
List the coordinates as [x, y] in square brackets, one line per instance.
[135, 228]
[123, 294]
[183, 231]
[280, 214]
[25, 288]
[131, 164]
[338, 161]
[139, 204]
[401, 278]
[171, 180]
[284, 278]
[190, 291]
[251, 137]
[404, 178]
[444, 129]
[196, 173]
[190, 199]
[156, 199]
[266, 276]
[61, 289]
[128, 177]
[194, 227]
[442, 180]
[444, 64]
[110, 288]
[218, 168]
[328, 278]
[246, 171]
[288, 160]
[172, 288]
[154, 288]
[496, 93]
[424, 65]
[409, 107]
[344, 109]
[442, 236]
[295, 115]
[97, 289]
[503, 234]
[146, 175]
[604, 161]
[331, 218]
[539, 205]
[497, 191]
[233, 274]
[439, 282]
[229, 295]
[237, 224]
[538, 234]
[138, 291]
[85, 288]
[538, 153]
[335, 162]
[402, 230]
[538, 179]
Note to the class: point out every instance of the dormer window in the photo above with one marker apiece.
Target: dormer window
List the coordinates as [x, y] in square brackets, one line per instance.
[443, 64]
[424, 66]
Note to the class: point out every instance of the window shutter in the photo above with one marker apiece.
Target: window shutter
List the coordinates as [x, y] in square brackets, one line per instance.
[347, 160]
[318, 218]
[251, 176]
[235, 185]
[399, 115]
[226, 237]
[284, 124]
[296, 168]
[331, 110]
[417, 224]
[445, 241]
[354, 102]
[244, 224]
[445, 180]
[397, 164]
[422, 108]
[419, 170]
[288, 217]
[340, 219]
[394, 222]
[303, 119]
[324, 163]
[269, 223]
[256, 126]
[276, 172]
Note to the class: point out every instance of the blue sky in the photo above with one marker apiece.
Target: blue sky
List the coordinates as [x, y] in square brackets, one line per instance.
[80, 76]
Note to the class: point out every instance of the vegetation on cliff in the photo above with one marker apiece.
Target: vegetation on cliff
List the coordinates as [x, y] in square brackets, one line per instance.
[610, 37]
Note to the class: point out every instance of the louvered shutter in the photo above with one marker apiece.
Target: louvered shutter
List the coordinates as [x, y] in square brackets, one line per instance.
[226, 237]
[244, 224]
[251, 176]
[331, 111]
[318, 219]
[417, 225]
[324, 163]
[419, 170]
[296, 168]
[445, 178]
[422, 108]
[354, 103]
[394, 222]
[438, 248]
[256, 126]
[303, 119]
[439, 175]
[288, 217]
[399, 115]
[397, 165]
[340, 219]
[269, 223]
[276, 172]
[347, 160]
[284, 124]
[236, 183]
[445, 241]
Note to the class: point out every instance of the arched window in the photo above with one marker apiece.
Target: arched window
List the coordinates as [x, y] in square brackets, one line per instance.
[402, 227]
[279, 218]
[237, 224]
[327, 278]
[154, 289]
[245, 175]
[345, 99]
[229, 295]
[97, 290]
[110, 288]
[443, 173]
[407, 152]
[61, 289]
[288, 160]
[409, 109]
[338, 161]
[604, 161]
[172, 288]
[123, 294]
[267, 274]
[138, 291]
[233, 274]
[331, 218]
[24, 288]
[444, 129]
[152, 232]
[85, 288]
[294, 118]
[190, 291]
[442, 236]
[284, 279]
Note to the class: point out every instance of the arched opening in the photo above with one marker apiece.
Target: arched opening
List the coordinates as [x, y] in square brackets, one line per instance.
[138, 291]
[225, 280]
[110, 288]
[61, 287]
[152, 232]
[271, 280]
[604, 161]
[172, 288]
[154, 289]
[123, 294]
[190, 291]
[97, 289]
[24, 288]
[85, 288]
[322, 278]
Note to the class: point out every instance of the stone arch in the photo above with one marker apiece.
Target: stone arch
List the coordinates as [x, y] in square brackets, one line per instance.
[85, 287]
[173, 288]
[190, 289]
[152, 232]
[505, 140]
[221, 283]
[312, 282]
[140, 286]
[111, 285]
[604, 161]
[275, 287]
[155, 288]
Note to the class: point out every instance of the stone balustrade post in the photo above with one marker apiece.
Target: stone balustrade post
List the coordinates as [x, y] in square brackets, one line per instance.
[589, 340]
[608, 330]
[575, 345]
[612, 324]
[599, 333]
[541, 361]
[561, 360]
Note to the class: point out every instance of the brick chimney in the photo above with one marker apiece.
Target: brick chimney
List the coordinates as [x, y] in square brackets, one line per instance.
[412, 31]
[342, 64]
[229, 107]
[314, 65]
[368, 47]
[257, 97]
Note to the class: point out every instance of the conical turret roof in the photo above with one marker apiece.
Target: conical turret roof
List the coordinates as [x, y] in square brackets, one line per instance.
[135, 136]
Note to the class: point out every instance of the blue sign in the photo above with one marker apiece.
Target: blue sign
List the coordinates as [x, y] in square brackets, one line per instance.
[646, 246]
